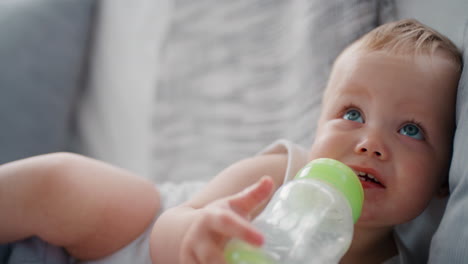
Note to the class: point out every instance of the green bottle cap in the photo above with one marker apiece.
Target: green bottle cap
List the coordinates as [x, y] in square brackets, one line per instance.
[339, 176]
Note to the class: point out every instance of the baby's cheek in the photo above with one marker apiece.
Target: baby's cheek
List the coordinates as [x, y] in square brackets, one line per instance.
[425, 177]
[318, 150]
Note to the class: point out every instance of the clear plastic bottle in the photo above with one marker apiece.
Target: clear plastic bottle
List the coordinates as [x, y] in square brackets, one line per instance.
[308, 220]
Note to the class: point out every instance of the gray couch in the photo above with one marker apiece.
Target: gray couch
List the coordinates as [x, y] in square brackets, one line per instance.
[44, 48]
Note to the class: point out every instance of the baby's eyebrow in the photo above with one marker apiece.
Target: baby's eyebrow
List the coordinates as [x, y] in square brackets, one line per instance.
[417, 111]
[355, 88]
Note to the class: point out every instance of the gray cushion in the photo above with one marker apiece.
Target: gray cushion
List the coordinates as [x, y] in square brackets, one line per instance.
[451, 239]
[237, 75]
[43, 46]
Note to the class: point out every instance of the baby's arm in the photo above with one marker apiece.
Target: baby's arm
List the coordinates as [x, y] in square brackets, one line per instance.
[84, 205]
[197, 231]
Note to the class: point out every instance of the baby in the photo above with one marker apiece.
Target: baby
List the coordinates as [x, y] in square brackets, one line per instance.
[388, 113]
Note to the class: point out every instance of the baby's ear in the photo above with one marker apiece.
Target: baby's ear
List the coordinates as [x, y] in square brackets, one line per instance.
[443, 190]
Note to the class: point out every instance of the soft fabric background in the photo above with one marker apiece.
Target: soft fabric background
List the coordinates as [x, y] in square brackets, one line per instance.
[43, 48]
[184, 93]
[449, 242]
[114, 116]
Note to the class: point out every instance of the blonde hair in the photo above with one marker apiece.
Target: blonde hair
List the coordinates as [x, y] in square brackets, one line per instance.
[404, 37]
[408, 36]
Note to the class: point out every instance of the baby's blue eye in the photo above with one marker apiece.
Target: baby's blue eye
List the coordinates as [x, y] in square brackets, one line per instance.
[353, 115]
[412, 130]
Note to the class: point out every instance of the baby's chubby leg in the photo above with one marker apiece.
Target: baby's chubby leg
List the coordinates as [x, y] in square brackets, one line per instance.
[89, 207]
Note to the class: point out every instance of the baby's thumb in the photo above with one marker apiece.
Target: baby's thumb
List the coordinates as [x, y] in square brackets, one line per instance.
[252, 197]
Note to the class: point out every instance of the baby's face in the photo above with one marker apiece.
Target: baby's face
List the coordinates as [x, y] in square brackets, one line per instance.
[391, 119]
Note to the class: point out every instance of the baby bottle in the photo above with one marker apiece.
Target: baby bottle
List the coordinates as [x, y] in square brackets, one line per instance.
[308, 220]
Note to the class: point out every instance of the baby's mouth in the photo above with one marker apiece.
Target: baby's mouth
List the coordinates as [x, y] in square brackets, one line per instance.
[368, 180]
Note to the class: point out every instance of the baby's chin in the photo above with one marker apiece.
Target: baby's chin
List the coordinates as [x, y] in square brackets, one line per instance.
[371, 217]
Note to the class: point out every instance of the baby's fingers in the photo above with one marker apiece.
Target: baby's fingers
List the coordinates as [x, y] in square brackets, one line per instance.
[205, 239]
[229, 224]
[248, 200]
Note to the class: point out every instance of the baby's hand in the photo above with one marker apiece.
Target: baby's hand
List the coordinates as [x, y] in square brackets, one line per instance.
[222, 220]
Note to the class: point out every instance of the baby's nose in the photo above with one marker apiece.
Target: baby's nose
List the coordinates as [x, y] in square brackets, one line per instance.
[363, 150]
[372, 145]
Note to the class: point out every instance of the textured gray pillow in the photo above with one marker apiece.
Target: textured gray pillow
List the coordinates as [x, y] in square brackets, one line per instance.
[237, 75]
[43, 46]
[451, 239]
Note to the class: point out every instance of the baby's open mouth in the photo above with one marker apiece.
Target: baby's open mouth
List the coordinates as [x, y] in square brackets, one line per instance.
[369, 179]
